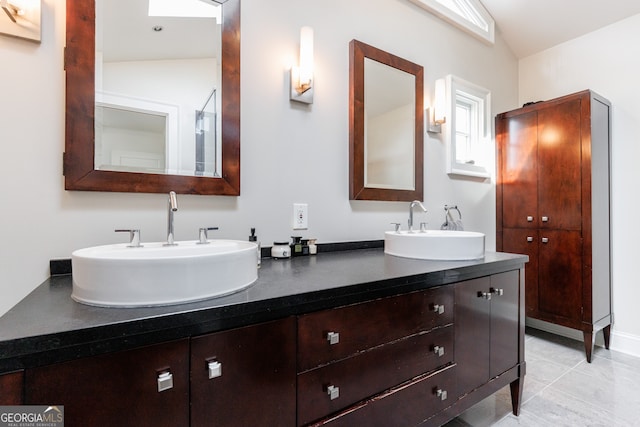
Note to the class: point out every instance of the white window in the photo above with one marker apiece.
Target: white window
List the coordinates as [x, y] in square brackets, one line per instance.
[468, 15]
[468, 128]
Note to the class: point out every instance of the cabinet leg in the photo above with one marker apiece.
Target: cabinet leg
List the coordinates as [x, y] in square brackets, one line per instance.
[516, 395]
[588, 344]
[607, 336]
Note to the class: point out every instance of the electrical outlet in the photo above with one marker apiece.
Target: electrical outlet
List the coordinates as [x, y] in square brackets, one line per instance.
[300, 216]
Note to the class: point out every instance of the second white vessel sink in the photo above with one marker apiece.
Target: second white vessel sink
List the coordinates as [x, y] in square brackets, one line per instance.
[442, 245]
[121, 276]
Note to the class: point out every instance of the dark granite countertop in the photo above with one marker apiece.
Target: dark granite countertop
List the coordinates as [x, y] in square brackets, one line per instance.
[47, 326]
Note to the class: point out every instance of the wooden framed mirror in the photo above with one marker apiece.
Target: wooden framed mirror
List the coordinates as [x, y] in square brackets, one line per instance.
[385, 125]
[79, 157]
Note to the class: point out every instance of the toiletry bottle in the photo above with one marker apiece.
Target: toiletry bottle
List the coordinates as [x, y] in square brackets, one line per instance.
[296, 246]
[254, 238]
[305, 246]
[313, 248]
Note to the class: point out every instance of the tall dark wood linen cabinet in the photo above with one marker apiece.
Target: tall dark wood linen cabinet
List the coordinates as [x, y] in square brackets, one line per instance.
[553, 204]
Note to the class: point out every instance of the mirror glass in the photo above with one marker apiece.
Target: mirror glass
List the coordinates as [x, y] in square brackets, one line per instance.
[157, 87]
[153, 98]
[385, 126]
[389, 106]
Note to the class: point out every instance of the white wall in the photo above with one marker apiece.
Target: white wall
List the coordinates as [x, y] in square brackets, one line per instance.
[290, 152]
[608, 62]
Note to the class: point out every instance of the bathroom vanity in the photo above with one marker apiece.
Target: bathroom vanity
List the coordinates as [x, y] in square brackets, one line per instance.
[343, 338]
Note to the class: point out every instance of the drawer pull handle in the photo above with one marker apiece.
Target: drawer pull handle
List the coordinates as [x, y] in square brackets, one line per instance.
[529, 239]
[215, 369]
[438, 308]
[497, 291]
[333, 337]
[545, 240]
[442, 394]
[333, 392]
[545, 219]
[438, 350]
[485, 295]
[529, 219]
[165, 381]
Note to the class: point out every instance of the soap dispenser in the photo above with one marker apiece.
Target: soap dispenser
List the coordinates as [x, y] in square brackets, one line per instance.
[254, 238]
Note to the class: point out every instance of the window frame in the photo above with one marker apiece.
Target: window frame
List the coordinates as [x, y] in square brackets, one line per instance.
[479, 100]
[453, 17]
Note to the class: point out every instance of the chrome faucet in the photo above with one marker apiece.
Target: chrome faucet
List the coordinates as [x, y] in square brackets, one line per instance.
[172, 207]
[411, 206]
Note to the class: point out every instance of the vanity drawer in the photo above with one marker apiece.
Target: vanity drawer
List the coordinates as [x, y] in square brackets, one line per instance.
[406, 405]
[335, 334]
[368, 373]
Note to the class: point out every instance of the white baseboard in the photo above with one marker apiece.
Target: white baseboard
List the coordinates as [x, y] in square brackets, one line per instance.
[620, 341]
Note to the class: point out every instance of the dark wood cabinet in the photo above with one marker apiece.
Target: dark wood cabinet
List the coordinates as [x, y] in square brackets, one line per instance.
[415, 359]
[11, 388]
[245, 376]
[553, 201]
[486, 329]
[145, 386]
[392, 361]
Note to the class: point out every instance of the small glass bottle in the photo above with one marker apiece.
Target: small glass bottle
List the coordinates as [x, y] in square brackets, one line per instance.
[313, 248]
[296, 246]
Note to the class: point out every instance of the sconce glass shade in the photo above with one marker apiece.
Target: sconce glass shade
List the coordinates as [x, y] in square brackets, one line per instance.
[302, 75]
[436, 115]
[439, 105]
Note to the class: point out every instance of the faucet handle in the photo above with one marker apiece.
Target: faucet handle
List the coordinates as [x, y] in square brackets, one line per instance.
[397, 226]
[204, 235]
[134, 237]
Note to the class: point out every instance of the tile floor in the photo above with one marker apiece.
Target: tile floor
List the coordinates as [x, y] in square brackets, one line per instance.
[562, 389]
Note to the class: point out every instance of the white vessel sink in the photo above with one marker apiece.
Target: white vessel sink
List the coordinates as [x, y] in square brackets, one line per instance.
[443, 245]
[120, 276]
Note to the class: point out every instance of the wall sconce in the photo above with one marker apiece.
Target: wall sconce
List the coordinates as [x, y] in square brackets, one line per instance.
[302, 75]
[436, 114]
[22, 19]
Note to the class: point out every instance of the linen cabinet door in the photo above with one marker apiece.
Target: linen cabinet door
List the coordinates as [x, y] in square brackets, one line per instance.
[518, 137]
[145, 386]
[559, 166]
[560, 274]
[245, 376]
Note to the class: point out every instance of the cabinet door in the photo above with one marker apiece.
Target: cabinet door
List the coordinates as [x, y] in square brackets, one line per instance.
[11, 388]
[525, 241]
[560, 274]
[559, 160]
[253, 372]
[472, 326]
[117, 389]
[519, 172]
[505, 325]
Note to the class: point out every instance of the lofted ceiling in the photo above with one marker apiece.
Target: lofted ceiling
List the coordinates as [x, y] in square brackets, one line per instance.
[531, 26]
